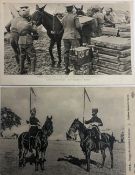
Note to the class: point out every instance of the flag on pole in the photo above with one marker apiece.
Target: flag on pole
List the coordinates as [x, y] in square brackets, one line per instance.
[32, 90]
[85, 94]
[32, 94]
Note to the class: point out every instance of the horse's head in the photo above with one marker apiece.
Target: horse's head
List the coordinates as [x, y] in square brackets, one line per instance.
[37, 16]
[48, 126]
[72, 130]
[79, 11]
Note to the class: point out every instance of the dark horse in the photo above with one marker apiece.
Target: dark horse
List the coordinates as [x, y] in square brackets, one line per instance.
[40, 144]
[54, 30]
[88, 144]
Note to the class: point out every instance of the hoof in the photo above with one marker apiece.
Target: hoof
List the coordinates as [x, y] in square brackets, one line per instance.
[59, 65]
[67, 71]
[53, 64]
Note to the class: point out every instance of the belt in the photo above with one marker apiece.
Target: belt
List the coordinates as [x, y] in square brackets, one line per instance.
[33, 125]
[24, 33]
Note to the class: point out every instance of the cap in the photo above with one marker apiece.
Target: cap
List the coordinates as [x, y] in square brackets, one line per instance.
[108, 10]
[26, 7]
[94, 110]
[33, 110]
[19, 7]
[69, 5]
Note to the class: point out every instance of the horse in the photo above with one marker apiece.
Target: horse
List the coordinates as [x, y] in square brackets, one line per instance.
[88, 143]
[39, 145]
[79, 11]
[54, 30]
[88, 29]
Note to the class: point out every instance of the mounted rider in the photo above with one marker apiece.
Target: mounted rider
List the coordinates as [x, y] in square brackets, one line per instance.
[95, 122]
[34, 126]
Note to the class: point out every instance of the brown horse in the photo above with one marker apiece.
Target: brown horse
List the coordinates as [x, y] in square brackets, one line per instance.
[88, 143]
[54, 30]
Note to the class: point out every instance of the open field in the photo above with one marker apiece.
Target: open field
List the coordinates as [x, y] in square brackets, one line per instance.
[63, 158]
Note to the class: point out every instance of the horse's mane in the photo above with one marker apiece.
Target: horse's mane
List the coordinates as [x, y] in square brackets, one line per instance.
[83, 127]
[50, 19]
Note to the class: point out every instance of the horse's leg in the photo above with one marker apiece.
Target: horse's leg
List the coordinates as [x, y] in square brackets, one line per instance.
[42, 160]
[16, 50]
[111, 154]
[59, 52]
[24, 156]
[20, 157]
[50, 51]
[103, 156]
[37, 160]
[88, 160]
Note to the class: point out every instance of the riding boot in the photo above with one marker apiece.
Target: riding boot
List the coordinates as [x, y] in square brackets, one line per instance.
[33, 65]
[67, 70]
[17, 59]
[22, 65]
[66, 59]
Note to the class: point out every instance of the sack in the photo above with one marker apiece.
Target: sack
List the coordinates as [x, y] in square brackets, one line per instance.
[22, 40]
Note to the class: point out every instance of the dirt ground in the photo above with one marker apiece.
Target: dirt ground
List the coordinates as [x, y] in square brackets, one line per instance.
[43, 65]
[63, 158]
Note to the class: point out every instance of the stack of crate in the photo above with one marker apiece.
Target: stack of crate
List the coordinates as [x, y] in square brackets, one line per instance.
[124, 30]
[113, 55]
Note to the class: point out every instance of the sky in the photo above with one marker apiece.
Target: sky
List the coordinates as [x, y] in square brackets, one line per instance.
[65, 104]
[60, 7]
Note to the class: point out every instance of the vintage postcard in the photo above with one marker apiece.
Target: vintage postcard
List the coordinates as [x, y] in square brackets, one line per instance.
[67, 130]
[65, 42]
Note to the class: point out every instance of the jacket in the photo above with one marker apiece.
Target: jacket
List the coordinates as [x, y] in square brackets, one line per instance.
[71, 26]
[94, 120]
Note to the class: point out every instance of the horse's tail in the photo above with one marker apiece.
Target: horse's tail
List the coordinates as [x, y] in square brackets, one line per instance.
[108, 140]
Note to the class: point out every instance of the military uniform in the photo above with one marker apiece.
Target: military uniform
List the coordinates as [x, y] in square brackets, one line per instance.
[14, 34]
[99, 19]
[95, 122]
[34, 127]
[109, 21]
[71, 35]
[26, 37]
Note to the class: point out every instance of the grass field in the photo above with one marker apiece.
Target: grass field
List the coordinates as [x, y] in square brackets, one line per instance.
[63, 158]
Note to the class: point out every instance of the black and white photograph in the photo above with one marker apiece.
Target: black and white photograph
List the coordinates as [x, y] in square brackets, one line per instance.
[92, 38]
[64, 130]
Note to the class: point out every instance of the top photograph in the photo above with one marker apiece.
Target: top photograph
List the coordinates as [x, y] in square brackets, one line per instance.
[67, 38]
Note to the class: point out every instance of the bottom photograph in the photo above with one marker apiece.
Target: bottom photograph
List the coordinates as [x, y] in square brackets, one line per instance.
[62, 130]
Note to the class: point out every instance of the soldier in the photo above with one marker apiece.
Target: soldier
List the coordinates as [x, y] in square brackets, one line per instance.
[109, 21]
[27, 33]
[14, 35]
[71, 34]
[34, 126]
[95, 122]
[99, 19]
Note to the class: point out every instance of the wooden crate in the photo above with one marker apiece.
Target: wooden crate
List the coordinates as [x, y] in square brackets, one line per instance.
[112, 42]
[80, 56]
